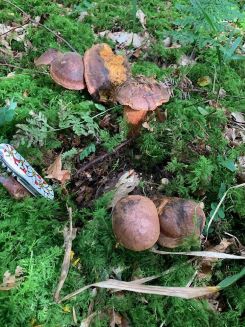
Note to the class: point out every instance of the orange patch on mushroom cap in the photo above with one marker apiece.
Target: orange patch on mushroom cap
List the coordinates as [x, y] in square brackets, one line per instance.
[104, 71]
[115, 64]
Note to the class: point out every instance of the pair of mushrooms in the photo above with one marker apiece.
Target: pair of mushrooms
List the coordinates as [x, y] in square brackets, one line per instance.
[108, 79]
[138, 223]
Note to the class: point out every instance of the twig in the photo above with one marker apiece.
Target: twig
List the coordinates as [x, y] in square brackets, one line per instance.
[24, 68]
[103, 156]
[69, 236]
[47, 28]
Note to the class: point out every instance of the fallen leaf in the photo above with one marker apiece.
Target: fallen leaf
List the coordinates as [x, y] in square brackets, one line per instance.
[141, 17]
[241, 168]
[207, 264]
[238, 117]
[167, 42]
[10, 281]
[87, 321]
[126, 184]
[82, 16]
[15, 189]
[147, 126]
[55, 171]
[204, 81]
[185, 60]
[115, 319]
[125, 39]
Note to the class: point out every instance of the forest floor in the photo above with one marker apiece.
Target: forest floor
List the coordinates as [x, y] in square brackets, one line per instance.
[197, 152]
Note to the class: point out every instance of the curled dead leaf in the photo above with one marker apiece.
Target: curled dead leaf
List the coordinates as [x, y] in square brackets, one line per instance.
[126, 184]
[55, 171]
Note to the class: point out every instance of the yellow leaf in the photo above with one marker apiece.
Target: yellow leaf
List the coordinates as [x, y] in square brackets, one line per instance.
[204, 81]
[66, 309]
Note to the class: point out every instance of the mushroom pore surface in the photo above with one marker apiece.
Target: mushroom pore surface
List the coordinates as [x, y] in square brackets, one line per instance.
[135, 222]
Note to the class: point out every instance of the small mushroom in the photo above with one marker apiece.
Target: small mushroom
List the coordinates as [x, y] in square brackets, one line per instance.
[179, 218]
[66, 69]
[135, 222]
[139, 96]
[47, 57]
[104, 71]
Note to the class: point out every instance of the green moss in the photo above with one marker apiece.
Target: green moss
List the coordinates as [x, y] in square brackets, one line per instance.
[188, 148]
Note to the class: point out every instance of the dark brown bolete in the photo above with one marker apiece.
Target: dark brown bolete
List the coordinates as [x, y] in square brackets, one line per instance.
[139, 96]
[47, 57]
[104, 71]
[179, 218]
[66, 69]
[135, 222]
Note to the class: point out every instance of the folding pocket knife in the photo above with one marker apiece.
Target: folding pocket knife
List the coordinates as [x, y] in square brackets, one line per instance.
[24, 172]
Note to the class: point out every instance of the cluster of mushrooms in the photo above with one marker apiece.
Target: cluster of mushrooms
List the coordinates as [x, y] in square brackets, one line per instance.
[138, 222]
[108, 78]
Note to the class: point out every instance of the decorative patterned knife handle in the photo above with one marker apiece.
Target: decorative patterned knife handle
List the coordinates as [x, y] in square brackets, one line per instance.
[24, 172]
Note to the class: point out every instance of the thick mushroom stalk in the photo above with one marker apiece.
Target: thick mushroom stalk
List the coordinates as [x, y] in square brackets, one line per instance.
[135, 222]
[104, 71]
[179, 219]
[139, 96]
[66, 69]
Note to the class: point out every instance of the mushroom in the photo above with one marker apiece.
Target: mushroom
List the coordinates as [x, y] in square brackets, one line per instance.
[139, 96]
[179, 218]
[104, 71]
[47, 57]
[135, 222]
[66, 69]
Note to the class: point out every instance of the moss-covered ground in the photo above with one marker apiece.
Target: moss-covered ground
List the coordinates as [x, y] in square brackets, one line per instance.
[189, 148]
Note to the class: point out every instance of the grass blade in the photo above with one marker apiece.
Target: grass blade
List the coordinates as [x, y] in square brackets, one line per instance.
[209, 254]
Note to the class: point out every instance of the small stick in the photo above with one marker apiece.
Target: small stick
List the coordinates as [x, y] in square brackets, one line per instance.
[47, 28]
[69, 236]
[103, 156]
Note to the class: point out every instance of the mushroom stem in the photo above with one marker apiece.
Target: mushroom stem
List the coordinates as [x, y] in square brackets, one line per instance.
[160, 115]
[134, 118]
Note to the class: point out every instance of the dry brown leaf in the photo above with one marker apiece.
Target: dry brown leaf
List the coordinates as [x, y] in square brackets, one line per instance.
[207, 264]
[126, 184]
[55, 171]
[10, 281]
[115, 319]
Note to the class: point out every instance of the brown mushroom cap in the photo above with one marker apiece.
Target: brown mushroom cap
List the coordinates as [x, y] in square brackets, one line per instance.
[47, 57]
[142, 93]
[135, 222]
[68, 71]
[179, 218]
[104, 70]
